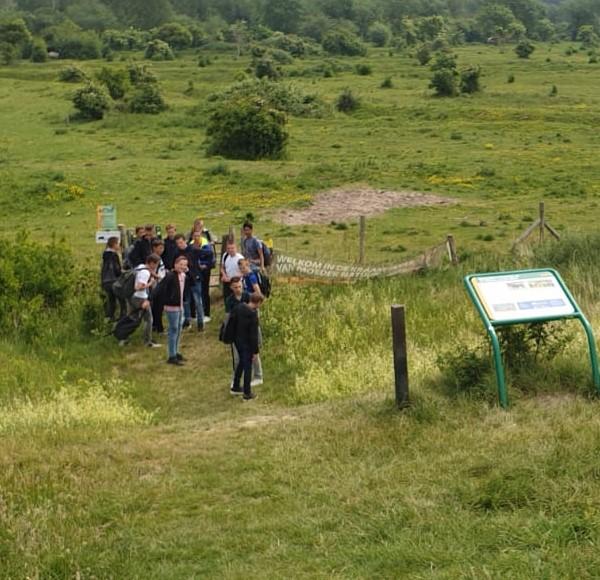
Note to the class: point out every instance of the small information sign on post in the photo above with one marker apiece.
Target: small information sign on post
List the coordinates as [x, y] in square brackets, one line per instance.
[106, 223]
[519, 297]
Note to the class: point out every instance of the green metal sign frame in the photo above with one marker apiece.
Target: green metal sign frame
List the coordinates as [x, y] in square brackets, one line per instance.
[490, 325]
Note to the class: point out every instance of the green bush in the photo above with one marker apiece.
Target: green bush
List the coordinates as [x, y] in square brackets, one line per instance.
[344, 42]
[379, 34]
[347, 102]
[71, 74]
[524, 49]
[469, 80]
[140, 73]
[292, 44]
[423, 54]
[266, 68]
[444, 82]
[387, 83]
[146, 98]
[176, 35]
[158, 50]
[246, 128]
[115, 81]
[91, 101]
[129, 39]
[39, 50]
[364, 69]
[77, 45]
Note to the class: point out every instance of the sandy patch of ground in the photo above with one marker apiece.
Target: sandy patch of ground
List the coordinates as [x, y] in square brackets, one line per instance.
[349, 203]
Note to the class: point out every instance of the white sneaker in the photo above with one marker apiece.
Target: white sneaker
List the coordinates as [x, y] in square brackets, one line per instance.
[153, 345]
[256, 382]
[206, 319]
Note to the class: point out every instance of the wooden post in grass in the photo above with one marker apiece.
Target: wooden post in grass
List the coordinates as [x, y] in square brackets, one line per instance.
[400, 356]
[123, 235]
[362, 230]
[451, 245]
[542, 221]
[539, 224]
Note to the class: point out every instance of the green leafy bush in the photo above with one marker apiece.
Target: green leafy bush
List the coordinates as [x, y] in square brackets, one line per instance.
[116, 81]
[158, 50]
[387, 83]
[266, 68]
[292, 44]
[39, 50]
[524, 49]
[345, 42]
[423, 53]
[71, 74]
[76, 44]
[129, 39]
[91, 101]
[140, 73]
[364, 69]
[146, 98]
[379, 34]
[347, 102]
[469, 80]
[444, 82]
[246, 128]
[176, 35]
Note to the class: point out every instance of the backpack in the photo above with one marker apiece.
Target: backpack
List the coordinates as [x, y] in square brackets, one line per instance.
[267, 254]
[227, 330]
[124, 286]
[264, 283]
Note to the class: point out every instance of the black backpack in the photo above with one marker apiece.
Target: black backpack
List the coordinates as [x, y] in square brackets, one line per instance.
[227, 330]
[264, 283]
[124, 286]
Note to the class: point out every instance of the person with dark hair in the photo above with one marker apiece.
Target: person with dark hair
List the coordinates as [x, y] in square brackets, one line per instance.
[245, 320]
[194, 294]
[145, 278]
[249, 277]
[111, 270]
[204, 252]
[173, 290]
[252, 248]
[142, 248]
[170, 247]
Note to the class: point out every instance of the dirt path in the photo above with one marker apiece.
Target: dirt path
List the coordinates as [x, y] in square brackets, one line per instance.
[351, 202]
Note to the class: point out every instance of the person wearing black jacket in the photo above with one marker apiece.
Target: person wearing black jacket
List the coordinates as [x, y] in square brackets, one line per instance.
[142, 247]
[111, 270]
[245, 320]
[170, 252]
[172, 291]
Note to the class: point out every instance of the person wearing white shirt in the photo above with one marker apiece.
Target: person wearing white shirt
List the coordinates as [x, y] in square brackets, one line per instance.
[230, 267]
[145, 277]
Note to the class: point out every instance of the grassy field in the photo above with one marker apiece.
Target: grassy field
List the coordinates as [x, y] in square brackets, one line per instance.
[114, 466]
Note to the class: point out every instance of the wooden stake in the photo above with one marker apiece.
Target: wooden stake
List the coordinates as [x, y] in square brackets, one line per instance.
[362, 230]
[451, 245]
[400, 355]
[542, 221]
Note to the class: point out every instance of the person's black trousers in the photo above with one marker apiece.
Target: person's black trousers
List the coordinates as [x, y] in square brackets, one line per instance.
[110, 303]
[157, 315]
[206, 292]
[245, 367]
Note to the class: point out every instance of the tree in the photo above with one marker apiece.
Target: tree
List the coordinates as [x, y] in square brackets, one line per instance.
[144, 14]
[158, 50]
[115, 81]
[175, 35]
[146, 98]
[266, 68]
[246, 128]
[445, 76]
[343, 41]
[338, 9]
[39, 50]
[91, 101]
[283, 15]
[14, 36]
[587, 36]
[524, 49]
[469, 80]
[495, 20]
[430, 27]
[92, 15]
[380, 34]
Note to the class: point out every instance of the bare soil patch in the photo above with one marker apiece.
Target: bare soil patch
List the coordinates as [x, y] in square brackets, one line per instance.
[351, 202]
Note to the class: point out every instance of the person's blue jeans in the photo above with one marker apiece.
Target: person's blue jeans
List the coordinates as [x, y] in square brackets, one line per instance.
[196, 291]
[175, 322]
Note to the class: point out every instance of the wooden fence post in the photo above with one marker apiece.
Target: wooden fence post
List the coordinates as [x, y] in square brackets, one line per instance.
[362, 230]
[542, 221]
[451, 245]
[400, 355]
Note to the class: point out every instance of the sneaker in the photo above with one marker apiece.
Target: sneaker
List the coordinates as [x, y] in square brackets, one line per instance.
[153, 345]
[206, 319]
[180, 357]
[235, 391]
[174, 361]
[186, 324]
[256, 382]
[250, 397]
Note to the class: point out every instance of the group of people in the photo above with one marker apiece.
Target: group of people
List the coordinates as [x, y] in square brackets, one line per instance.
[171, 280]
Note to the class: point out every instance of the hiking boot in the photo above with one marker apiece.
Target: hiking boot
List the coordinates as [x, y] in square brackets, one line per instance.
[180, 357]
[174, 361]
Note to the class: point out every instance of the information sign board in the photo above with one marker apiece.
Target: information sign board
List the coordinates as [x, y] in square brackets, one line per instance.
[106, 218]
[102, 236]
[522, 296]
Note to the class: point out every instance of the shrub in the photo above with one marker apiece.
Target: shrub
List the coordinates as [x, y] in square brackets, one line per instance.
[129, 39]
[423, 54]
[444, 82]
[91, 101]
[76, 44]
[8, 53]
[292, 44]
[280, 56]
[140, 73]
[524, 49]
[345, 42]
[469, 80]
[347, 102]
[511, 78]
[158, 50]
[146, 98]
[39, 50]
[379, 34]
[71, 74]
[553, 91]
[364, 69]
[246, 128]
[266, 68]
[386, 83]
[176, 35]
[115, 81]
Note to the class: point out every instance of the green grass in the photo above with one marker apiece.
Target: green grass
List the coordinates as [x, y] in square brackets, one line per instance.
[114, 465]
